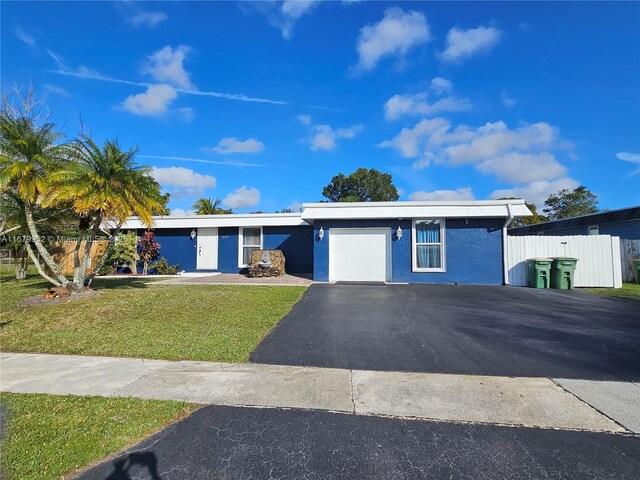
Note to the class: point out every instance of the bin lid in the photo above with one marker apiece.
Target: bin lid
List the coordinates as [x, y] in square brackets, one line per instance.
[539, 259]
[565, 258]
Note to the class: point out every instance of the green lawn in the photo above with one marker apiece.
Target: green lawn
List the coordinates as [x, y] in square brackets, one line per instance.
[49, 435]
[134, 319]
[630, 291]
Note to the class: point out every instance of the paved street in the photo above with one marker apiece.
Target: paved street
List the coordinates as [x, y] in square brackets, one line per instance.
[245, 443]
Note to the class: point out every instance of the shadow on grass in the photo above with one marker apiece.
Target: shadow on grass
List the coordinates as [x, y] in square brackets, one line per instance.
[120, 283]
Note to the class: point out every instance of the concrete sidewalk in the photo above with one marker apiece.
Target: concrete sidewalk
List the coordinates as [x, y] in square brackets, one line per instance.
[531, 402]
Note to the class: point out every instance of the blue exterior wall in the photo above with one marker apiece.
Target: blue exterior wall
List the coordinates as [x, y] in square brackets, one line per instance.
[228, 249]
[629, 230]
[473, 251]
[296, 243]
[177, 247]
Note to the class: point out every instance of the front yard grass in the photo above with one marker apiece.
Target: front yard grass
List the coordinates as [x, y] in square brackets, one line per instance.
[47, 436]
[630, 291]
[131, 318]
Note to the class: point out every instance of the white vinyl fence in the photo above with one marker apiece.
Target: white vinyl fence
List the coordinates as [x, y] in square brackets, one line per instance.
[598, 257]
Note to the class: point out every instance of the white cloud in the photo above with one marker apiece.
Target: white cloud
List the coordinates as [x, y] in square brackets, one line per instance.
[441, 85]
[25, 37]
[463, 44]
[55, 89]
[154, 102]
[507, 100]
[519, 155]
[495, 139]
[395, 35]
[187, 113]
[182, 182]
[167, 66]
[324, 137]
[458, 194]
[537, 192]
[630, 157]
[243, 197]
[285, 15]
[520, 167]
[232, 145]
[295, 206]
[412, 142]
[147, 19]
[419, 104]
[85, 72]
[180, 212]
[304, 119]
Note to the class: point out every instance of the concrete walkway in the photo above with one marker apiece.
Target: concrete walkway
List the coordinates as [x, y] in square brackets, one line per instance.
[531, 402]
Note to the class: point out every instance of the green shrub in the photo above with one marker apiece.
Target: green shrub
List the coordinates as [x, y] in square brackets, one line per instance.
[162, 267]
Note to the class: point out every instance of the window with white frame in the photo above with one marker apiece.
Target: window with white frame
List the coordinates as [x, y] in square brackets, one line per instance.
[250, 239]
[428, 245]
[594, 230]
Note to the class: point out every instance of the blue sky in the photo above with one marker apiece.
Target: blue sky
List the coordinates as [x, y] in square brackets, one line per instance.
[260, 104]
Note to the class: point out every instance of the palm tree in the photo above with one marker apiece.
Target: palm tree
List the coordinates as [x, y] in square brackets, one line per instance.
[207, 206]
[103, 184]
[28, 154]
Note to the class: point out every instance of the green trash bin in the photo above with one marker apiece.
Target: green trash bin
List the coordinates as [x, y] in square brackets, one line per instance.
[636, 263]
[562, 270]
[539, 270]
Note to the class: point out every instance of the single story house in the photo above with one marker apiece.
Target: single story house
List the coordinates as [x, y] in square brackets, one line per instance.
[408, 242]
[623, 223]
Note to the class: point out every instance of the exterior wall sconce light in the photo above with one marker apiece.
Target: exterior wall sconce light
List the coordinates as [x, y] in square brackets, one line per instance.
[399, 233]
[321, 233]
[193, 234]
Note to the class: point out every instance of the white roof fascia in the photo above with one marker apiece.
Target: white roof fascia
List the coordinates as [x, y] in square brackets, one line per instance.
[231, 220]
[460, 209]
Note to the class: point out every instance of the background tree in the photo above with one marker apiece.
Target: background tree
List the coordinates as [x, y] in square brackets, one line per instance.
[522, 221]
[208, 206]
[149, 250]
[30, 150]
[163, 209]
[125, 251]
[567, 204]
[363, 185]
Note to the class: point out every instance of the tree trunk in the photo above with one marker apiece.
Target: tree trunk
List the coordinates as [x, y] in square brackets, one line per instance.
[104, 256]
[46, 256]
[21, 268]
[42, 273]
[76, 260]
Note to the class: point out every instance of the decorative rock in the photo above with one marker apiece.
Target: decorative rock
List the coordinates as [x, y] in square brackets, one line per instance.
[261, 268]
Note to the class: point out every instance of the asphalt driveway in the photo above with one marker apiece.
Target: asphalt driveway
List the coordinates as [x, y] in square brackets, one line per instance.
[243, 443]
[459, 329]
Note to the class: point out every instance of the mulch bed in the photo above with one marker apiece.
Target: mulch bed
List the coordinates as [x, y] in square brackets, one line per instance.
[37, 300]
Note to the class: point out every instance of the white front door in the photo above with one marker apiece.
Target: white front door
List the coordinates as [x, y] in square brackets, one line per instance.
[359, 254]
[207, 249]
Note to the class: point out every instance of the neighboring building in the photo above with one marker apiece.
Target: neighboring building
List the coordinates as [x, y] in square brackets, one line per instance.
[623, 223]
[426, 242]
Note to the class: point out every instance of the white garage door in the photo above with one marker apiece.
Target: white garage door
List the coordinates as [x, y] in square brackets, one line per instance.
[359, 254]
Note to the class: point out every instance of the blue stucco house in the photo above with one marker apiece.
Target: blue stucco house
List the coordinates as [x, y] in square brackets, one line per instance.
[623, 223]
[404, 242]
